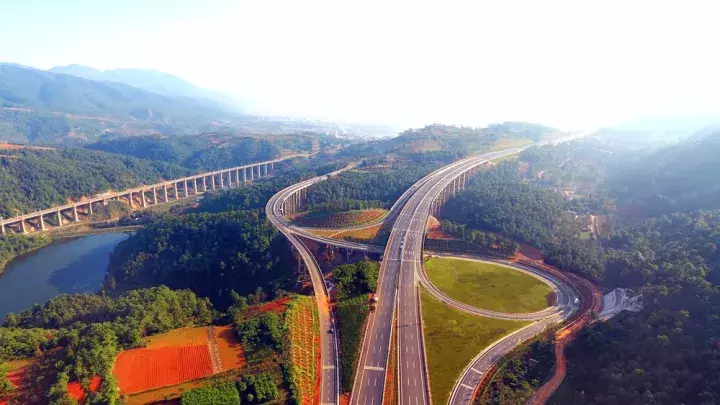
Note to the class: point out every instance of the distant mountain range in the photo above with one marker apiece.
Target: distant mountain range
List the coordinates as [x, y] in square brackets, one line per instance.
[154, 81]
[38, 106]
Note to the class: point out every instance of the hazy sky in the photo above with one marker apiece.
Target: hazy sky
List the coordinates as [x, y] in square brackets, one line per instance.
[573, 64]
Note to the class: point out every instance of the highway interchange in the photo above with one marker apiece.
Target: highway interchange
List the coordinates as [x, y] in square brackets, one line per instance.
[401, 274]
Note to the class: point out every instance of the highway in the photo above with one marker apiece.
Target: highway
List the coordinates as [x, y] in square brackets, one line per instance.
[329, 376]
[399, 275]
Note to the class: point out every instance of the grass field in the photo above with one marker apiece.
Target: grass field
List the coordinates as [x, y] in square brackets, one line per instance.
[342, 219]
[487, 285]
[453, 339]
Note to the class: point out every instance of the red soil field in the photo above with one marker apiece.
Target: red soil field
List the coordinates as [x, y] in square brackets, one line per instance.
[231, 352]
[143, 369]
[279, 306]
[76, 390]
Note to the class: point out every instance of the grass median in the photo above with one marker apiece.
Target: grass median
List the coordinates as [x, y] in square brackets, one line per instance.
[487, 285]
[453, 338]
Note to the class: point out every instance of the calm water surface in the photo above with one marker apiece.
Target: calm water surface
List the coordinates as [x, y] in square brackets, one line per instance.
[68, 266]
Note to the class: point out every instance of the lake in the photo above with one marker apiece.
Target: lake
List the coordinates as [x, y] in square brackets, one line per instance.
[75, 265]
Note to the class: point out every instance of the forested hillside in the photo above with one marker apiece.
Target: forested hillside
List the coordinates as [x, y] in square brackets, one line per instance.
[669, 353]
[44, 107]
[32, 179]
[194, 152]
[497, 200]
[211, 254]
[446, 143]
[681, 177]
[360, 189]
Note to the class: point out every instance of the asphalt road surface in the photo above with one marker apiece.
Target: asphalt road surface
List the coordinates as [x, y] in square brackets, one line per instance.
[397, 283]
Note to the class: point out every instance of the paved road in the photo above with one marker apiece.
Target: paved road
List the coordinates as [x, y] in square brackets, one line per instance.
[398, 275]
[329, 377]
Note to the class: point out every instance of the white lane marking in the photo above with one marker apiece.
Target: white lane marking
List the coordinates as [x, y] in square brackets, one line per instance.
[467, 386]
[374, 368]
[476, 370]
[328, 367]
[375, 383]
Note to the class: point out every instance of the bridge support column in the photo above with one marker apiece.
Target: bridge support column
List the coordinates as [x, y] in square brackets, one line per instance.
[42, 223]
[154, 196]
[2, 227]
[142, 197]
[195, 188]
[204, 183]
[222, 183]
[59, 218]
[212, 181]
[186, 188]
[229, 179]
[237, 177]
[22, 226]
[265, 169]
[244, 171]
[165, 192]
[252, 172]
[75, 214]
[90, 208]
[272, 165]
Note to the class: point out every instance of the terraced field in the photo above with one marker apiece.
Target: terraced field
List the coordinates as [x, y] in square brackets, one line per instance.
[342, 219]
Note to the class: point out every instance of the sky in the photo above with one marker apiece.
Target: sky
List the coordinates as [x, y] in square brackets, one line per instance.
[572, 64]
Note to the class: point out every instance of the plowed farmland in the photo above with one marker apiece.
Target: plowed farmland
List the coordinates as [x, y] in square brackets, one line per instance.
[342, 219]
[302, 320]
[143, 369]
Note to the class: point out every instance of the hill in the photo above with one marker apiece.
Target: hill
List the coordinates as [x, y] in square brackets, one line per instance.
[448, 142]
[681, 177]
[154, 81]
[44, 107]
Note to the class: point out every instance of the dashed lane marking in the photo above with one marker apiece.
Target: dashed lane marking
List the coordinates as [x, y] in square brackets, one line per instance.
[374, 368]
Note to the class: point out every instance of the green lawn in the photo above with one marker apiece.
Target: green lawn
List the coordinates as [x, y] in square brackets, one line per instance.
[452, 339]
[488, 286]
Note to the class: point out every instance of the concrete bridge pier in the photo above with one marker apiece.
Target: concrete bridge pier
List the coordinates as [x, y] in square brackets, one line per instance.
[204, 183]
[75, 214]
[244, 172]
[165, 192]
[22, 226]
[143, 203]
[154, 196]
[42, 223]
[2, 227]
[59, 218]
[195, 188]
[252, 172]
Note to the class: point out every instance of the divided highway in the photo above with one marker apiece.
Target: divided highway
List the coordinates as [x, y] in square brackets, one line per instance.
[397, 291]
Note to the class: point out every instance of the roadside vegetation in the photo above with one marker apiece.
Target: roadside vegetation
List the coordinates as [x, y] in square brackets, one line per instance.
[453, 338]
[353, 283]
[301, 320]
[487, 285]
[520, 373]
